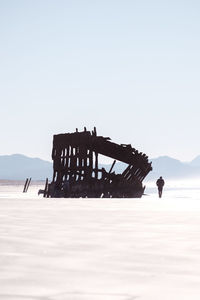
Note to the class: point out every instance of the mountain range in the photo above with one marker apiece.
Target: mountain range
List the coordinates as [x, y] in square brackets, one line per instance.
[19, 167]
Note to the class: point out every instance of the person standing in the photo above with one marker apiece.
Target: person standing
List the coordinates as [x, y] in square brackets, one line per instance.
[160, 183]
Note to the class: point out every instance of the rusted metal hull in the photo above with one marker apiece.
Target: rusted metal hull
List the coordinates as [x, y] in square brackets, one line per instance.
[77, 173]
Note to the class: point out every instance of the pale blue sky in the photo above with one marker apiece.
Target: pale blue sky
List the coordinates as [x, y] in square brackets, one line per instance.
[130, 68]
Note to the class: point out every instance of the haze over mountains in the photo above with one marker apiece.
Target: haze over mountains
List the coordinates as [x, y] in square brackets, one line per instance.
[19, 167]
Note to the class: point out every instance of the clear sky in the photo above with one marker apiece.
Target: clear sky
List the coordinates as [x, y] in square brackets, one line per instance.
[130, 67]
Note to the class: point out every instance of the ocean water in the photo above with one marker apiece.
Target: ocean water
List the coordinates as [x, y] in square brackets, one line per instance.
[100, 249]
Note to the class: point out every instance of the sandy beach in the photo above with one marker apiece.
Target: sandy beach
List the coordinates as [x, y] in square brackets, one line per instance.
[109, 249]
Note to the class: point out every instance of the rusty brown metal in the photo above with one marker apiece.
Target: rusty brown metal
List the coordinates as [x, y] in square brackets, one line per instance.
[76, 171]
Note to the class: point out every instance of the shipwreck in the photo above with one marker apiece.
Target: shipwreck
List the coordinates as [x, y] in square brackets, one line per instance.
[76, 171]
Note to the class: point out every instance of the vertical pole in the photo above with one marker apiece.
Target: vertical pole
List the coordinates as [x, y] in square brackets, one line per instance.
[76, 164]
[79, 162]
[46, 188]
[96, 165]
[67, 164]
[85, 163]
[28, 183]
[90, 163]
[24, 190]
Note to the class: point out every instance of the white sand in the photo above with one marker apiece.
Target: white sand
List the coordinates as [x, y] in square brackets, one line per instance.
[73, 249]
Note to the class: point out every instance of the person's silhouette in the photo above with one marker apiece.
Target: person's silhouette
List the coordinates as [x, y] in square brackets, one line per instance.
[160, 183]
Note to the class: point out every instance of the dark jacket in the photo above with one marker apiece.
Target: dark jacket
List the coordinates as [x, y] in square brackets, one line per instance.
[160, 183]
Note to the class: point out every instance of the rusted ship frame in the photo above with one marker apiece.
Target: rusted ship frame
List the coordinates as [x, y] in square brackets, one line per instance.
[76, 169]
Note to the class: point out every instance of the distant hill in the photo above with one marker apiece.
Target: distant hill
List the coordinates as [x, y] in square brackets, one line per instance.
[196, 162]
[19, 167]
[169, 168]
[172, 168]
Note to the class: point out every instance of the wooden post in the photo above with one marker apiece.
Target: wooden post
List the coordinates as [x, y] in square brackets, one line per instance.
[85, 163]
[46, 188]
[96, 165]
[26, 182]
[90, 163]
[94, 132]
